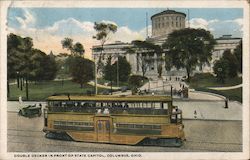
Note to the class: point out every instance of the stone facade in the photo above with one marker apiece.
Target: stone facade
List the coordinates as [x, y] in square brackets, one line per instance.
[222, 43]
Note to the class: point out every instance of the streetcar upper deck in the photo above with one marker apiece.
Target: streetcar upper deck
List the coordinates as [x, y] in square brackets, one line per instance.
[111, 98]
[111, 104]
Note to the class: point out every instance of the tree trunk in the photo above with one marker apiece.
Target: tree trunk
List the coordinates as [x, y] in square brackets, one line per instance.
[188, 74]
[27, 88]
[17, 81]
[21, 85]
[111, 87]
[81, 85]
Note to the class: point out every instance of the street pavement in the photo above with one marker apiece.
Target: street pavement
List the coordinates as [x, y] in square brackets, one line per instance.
[199, 105]
[25, 135]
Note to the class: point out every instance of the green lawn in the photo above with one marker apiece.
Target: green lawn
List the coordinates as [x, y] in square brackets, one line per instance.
[202, 82]
[42, 90]
[208, 80]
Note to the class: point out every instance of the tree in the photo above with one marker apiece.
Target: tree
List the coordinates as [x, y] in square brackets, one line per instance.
[82, 70]
[68, 44]
[124, 69]
[76, 48]
[109, 70]
[221, 70]
[103, 32]
[188, 48]
[13, 59]
[44, 66]
[238, 54]
[159, 70]
[232, 63]
[136, 81]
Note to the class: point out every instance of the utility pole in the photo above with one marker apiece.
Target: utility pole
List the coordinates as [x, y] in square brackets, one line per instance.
[95, 72]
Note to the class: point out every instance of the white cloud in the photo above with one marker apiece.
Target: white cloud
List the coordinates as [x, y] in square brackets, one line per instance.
[28, 19]
[111, 22]
[219, 27]
[49, 38]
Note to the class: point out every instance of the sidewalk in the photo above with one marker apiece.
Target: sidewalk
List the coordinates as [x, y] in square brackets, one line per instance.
[160, 85]
[102, 86]
[226, 88]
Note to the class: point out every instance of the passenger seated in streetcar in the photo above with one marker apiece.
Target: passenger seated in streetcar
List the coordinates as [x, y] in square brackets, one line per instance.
[106, 111]
[99, 111]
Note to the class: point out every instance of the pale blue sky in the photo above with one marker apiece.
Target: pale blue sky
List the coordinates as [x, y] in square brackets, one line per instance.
[48, 26]
[134, 18]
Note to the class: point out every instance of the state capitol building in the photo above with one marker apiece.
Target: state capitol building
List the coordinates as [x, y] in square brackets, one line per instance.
[163, 24]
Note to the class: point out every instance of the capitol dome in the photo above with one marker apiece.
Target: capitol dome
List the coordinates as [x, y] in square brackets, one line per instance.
[166, 22]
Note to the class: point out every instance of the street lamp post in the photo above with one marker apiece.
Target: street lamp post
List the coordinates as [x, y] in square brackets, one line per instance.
[17, 79]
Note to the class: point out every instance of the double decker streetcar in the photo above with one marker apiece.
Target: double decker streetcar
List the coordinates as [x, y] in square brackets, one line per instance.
[132, 120]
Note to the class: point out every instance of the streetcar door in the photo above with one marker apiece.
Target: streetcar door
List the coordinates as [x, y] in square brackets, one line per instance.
[103, 129]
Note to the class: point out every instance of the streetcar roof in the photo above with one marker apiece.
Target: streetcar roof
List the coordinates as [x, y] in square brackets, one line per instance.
[111, 98]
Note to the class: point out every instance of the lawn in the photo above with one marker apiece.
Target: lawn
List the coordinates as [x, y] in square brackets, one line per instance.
[202, 82]
[208, 80]
[42, 90]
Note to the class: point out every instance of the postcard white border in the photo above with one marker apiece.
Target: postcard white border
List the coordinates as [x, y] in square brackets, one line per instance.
[134, 4]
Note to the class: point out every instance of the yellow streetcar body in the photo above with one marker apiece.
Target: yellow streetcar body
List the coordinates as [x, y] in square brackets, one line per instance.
[128, 120]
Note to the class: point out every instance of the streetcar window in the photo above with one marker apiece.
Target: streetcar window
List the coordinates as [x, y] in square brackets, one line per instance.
[56, 103]
[157, 105]
[138, 126]
[147, 126]
[156, 127]
[165, 105]
[63, 104]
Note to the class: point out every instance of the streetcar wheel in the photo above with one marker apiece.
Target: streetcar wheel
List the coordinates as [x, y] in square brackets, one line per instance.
[58, 136]
[164, 142]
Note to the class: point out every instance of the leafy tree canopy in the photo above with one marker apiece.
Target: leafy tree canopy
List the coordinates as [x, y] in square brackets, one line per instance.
[187, 48]
[238, 54]
[76, 49]
[81, 69]
[124, 69]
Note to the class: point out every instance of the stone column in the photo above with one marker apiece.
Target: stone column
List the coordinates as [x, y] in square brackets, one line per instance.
[155, 63]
